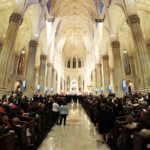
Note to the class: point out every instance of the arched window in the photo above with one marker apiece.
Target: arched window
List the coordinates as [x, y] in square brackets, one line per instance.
[79, 63]
[127, 65]
[21, 63]
[74, 63]
[48, 5]
[68, 64]
[101, 6]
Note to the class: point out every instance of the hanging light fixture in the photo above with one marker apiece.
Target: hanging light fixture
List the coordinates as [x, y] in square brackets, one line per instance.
[134, 1]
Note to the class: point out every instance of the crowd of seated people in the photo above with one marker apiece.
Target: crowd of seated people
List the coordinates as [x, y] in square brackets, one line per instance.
[15, 106]
[103, 111]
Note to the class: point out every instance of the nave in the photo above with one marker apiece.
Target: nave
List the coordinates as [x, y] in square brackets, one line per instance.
[78, 134]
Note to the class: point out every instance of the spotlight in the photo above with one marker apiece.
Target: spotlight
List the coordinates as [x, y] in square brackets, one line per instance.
[112, 35]
[134, 1]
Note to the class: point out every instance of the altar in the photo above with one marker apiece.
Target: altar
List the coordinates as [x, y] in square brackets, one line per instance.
[73, 93]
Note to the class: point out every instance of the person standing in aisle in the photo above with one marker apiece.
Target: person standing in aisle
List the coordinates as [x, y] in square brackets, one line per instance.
[63, 112]
[55, 112]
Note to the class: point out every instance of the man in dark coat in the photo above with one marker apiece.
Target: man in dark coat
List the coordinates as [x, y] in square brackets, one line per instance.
[24, 105]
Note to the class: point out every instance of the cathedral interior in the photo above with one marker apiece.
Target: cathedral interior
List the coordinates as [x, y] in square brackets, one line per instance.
[93, 55]
[75, 46]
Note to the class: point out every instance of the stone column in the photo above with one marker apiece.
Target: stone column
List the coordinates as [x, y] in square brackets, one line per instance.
[49, 76]
[148, 49]
[133, 72]
[30, 68]
[141, 52]
[7, 51]
[94, 82]
[106, 74]
[0, 47]
[42, 73]
[118, 72]
[35, 79]
[113, 80]
[14, 73]
[54, 81]
[99, 76]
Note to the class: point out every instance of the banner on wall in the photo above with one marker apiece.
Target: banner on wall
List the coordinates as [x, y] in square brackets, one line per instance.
[110, 88]
[51, 90]
[124, 85]
[101, 89]
[96, 90]
[38, 87]
[24, 85]
[46, 89]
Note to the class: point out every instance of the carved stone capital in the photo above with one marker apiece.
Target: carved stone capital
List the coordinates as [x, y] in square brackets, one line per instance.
[105, 57]
[33, 44]
[15, 18]
[99, 65]
[115, 44]
[134, 19]
[50, 65]
[43, 57]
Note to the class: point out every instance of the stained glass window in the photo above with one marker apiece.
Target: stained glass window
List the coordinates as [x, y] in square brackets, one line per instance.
[79, 63]
[68, 65]
[127, 65]
[21, 63]
[101, 6]
[48, 6]
[74, 63]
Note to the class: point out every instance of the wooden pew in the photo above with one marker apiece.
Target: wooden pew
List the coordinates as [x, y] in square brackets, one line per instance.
[7, 142]
[43, 121]
[38, 126]
[47, 113]
[123, 118]
[30, 122]
[117, 129]
[21, 133]
[127, 137]
[22, 137]
[141, 142]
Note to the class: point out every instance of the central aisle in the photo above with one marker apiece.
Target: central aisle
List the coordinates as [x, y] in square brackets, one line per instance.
[78, 134]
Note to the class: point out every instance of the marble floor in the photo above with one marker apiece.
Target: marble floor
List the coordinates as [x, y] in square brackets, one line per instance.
[78, 134]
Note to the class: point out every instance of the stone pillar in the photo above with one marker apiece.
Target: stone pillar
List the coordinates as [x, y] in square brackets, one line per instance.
[113, 81]
[54, 81]
[0, 47]
[49, 76]
[141, 52]
[118, 72]
[106, 74]
[14, 73]
[148, 49]
[99, 76]
[94, 82]
[133, 72]
[30, 68]
[65, 88]
[7, 51]
[35, 79]
[42, 73]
